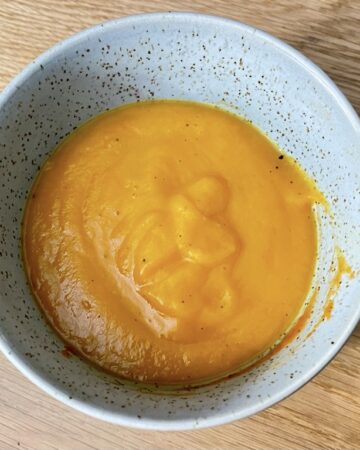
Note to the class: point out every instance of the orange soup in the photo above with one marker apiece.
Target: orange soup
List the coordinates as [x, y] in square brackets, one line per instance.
[170, 241]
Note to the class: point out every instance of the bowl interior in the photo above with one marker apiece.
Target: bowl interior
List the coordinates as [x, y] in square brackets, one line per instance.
[181, 56]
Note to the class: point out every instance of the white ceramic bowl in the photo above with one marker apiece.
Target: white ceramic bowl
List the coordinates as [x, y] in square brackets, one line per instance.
[184, 56]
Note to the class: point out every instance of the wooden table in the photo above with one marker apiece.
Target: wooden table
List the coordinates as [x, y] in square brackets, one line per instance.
[325, 414]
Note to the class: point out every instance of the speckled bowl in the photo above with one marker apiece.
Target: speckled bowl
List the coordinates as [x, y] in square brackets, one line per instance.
[184, 56]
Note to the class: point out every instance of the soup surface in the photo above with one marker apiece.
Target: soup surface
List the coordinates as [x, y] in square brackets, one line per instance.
[170, 241]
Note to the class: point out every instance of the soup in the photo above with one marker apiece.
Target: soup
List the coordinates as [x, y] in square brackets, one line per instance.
[170, 241]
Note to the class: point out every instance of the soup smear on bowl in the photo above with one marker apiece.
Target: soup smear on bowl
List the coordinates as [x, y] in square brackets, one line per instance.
[170, 241]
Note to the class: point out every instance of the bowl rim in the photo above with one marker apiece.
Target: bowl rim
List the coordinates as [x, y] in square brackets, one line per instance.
[119, 417]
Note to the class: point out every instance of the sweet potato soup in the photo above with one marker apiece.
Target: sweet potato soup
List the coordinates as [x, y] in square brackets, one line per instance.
[170, 241]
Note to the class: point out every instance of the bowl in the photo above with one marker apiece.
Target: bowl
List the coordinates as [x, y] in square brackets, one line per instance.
[202, 58]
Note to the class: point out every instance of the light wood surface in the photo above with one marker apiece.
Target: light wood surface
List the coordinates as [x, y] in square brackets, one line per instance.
[325, 414]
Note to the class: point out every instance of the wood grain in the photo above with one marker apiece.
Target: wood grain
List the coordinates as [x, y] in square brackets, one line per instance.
[325, 414]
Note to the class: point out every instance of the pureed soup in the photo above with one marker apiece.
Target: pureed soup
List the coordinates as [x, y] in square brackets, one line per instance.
[170, 241]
